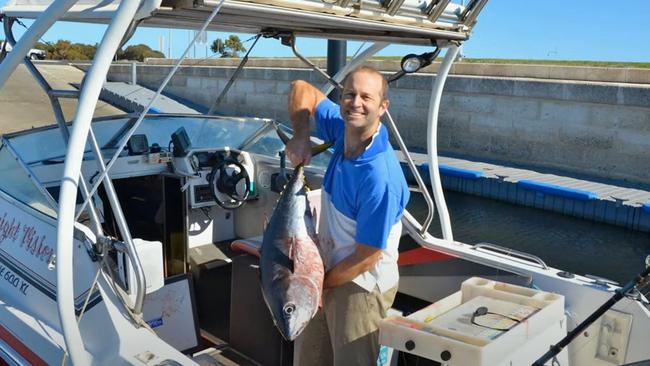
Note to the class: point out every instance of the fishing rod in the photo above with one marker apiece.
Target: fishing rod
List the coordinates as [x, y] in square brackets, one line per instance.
[639, 280]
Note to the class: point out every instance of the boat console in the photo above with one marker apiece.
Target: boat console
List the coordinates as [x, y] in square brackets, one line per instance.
[217, 176]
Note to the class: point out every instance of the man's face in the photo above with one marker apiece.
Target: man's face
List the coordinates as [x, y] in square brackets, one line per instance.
[361, 100]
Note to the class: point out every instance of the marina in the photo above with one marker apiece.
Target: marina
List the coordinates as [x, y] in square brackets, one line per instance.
[132, 227]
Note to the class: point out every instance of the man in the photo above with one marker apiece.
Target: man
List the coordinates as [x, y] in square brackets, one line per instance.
[364, 195]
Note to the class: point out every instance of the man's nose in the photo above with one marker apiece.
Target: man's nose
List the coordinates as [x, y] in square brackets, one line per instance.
[356, 100]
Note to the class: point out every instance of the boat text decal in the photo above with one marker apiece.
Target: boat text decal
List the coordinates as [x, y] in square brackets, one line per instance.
[7, 275]
[30, 240]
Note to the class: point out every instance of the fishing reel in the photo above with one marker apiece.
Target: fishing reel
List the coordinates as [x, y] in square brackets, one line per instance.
[229, 183]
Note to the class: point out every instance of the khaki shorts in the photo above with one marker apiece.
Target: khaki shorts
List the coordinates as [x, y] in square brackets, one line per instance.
[346, 330]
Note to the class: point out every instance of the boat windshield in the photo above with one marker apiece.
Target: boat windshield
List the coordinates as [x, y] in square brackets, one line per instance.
[47, 146]
[17, 183]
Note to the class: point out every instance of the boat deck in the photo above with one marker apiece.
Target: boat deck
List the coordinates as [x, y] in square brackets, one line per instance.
[612, 204]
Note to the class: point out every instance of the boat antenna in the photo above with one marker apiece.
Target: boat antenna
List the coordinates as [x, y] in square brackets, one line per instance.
[639, 281]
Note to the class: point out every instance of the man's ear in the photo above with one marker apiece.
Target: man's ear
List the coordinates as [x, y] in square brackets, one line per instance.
[384, 107]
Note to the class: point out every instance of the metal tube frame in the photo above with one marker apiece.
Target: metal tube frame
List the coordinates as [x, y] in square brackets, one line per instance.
[416, 174]
[151, 102]
[432, 138]
[58, 114]
[234, 76]
[53, 12]
[69, 181]
[302, 58]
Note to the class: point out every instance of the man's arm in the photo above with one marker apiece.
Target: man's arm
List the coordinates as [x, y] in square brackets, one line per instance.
[303, 100]
[363, 259]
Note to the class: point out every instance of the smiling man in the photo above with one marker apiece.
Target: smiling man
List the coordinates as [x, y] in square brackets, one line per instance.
[364, 195]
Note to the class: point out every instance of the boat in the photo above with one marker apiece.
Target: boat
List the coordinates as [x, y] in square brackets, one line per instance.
[116, 232]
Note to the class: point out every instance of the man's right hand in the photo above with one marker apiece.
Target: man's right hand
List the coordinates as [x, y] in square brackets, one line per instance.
[303, 99]
[298, 150]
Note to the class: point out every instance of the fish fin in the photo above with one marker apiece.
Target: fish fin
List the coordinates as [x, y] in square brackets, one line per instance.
[317, 149]
[282, 259]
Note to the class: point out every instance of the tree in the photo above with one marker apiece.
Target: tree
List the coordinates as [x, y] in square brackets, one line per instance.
[228, 48]
[138, 52]
[66, 50]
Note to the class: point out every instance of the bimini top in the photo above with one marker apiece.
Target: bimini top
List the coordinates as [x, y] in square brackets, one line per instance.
[394, 21]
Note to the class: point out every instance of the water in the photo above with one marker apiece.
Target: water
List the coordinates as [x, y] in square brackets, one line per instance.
[563, 242]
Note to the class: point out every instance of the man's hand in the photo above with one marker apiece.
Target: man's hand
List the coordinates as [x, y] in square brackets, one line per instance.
[302, 102]
[298, 150]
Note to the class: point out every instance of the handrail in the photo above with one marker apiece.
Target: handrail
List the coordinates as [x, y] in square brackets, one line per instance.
[511, 252]
[432, 138]
[416, 174]
[69, 181]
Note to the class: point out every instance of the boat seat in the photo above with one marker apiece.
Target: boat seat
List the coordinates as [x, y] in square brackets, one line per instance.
[251, 246]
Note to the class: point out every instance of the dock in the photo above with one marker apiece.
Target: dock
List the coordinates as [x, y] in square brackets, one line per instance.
[607, 203]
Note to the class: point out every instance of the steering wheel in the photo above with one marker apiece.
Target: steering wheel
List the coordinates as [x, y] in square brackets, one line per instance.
[229, 190]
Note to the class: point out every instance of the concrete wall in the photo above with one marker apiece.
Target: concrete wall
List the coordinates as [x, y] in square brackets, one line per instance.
[595, 128]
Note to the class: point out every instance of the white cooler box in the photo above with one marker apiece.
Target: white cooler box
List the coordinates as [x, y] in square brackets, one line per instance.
[485, 323]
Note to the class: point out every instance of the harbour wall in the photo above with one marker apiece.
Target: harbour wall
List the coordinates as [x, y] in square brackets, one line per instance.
[583, 121]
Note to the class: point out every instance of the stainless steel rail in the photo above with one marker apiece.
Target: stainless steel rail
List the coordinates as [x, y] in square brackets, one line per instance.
[510, 253]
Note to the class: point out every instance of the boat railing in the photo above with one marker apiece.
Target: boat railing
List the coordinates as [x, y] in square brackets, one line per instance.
[487, 247]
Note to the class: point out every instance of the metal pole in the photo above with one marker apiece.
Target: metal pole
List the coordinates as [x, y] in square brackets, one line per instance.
[134, 75]
[432, 140]
[336, 58]
[71, 172]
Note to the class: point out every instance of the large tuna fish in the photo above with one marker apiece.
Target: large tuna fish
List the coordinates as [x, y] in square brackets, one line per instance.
[291, 268]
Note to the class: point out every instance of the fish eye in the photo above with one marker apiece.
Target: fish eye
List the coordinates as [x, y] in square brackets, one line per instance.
[289, 309]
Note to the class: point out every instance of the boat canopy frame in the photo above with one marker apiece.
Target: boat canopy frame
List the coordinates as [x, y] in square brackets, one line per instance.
[447, 26]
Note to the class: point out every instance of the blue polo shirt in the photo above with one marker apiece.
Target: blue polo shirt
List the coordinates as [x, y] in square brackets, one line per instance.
[362, 200]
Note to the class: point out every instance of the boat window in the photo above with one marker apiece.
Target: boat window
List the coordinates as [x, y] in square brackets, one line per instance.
[17, 183]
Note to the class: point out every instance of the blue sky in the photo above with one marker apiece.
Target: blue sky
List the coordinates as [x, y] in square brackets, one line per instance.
[596, 30]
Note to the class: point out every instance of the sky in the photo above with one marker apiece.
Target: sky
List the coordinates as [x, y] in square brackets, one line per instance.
[595, 30]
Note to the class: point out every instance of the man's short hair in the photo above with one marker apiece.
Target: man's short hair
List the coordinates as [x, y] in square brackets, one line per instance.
[370, 70]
